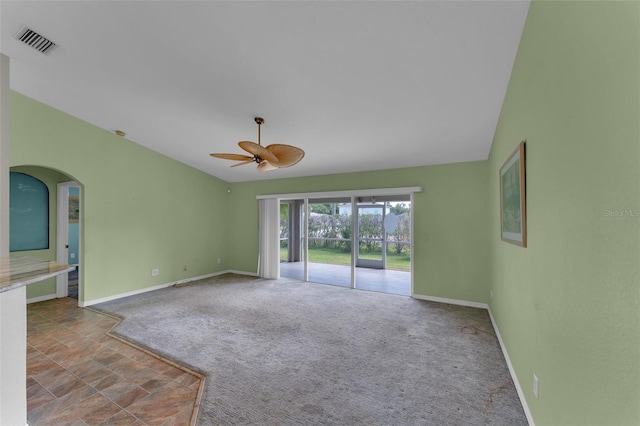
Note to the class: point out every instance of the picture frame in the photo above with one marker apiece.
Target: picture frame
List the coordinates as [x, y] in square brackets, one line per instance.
[74, 209]
[513, 206]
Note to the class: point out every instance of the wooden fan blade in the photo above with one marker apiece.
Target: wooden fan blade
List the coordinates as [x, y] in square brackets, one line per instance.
[243, 162]
[287, 155]
[265, 166]
[258, 150]
[235, 157]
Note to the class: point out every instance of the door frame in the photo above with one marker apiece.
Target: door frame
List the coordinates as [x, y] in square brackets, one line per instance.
[62, 238]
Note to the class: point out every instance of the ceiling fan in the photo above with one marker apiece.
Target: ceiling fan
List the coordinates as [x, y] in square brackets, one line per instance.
[271, 157]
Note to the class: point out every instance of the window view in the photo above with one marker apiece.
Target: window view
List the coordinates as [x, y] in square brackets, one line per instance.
[384, 234]
[329, 246]
[329, 234]
[284, 232]
[379, 240]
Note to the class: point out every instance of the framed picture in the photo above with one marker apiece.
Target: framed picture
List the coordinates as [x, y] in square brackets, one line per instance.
[513, 206]
[74, 209]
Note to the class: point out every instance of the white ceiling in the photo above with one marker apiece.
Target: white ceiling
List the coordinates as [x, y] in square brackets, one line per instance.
[357, 85]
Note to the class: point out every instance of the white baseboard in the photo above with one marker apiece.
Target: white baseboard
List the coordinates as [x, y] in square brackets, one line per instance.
[233, 271]
[451, 301]
[523, 401]
[41, 298]
[201, 277]
[121, 295]
[157, 287]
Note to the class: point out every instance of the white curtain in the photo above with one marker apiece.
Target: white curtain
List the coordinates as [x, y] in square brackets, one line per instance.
[269, 239]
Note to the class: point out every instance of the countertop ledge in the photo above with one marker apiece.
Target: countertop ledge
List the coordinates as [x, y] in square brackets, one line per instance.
[16, 272]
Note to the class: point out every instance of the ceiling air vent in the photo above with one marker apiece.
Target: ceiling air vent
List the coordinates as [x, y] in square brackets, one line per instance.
[35, 40]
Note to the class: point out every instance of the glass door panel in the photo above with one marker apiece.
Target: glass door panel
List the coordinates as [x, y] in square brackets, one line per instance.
[370, 253]
[329, 244]
[384, 246]
[397, 226]
[292, 239]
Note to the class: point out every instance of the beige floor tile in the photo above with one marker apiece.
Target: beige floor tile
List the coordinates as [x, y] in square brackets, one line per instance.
[78, 375]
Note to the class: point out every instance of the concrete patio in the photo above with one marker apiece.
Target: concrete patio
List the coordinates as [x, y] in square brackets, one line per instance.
[381, 280]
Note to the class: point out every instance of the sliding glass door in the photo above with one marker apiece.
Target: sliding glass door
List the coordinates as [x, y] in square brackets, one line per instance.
[348, 241]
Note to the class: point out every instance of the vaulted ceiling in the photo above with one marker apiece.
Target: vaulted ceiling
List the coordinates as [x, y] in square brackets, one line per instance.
[357, 85]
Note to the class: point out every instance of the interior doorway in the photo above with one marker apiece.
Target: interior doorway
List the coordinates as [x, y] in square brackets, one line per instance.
[68, 248]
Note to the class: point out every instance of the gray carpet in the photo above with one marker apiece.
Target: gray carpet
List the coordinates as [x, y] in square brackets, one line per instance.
[285, 352]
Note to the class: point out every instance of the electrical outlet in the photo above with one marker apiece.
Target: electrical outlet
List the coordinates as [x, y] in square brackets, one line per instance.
[184, 268]
[155, 272]
[535, 387]
[219, 260]
[491, 294]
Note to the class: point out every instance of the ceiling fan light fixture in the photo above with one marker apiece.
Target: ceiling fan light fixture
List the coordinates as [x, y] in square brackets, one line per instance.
[271, 157]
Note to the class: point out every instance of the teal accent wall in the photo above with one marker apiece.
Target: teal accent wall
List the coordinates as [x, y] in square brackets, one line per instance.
[171, 218]
[73, 233]
[568, 305]
[29, 213]
[450, 253]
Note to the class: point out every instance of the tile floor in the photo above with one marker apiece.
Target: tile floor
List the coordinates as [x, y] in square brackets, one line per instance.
[79, 374]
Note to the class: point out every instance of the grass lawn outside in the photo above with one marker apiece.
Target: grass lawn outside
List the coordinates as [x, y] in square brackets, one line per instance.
[401, 262]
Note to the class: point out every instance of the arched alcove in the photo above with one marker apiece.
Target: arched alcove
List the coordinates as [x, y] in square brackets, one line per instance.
[59, 221]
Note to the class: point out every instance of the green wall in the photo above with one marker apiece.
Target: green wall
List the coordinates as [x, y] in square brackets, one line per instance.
[450, 254]
[141, 209]
[567, 306]
[51, 178]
